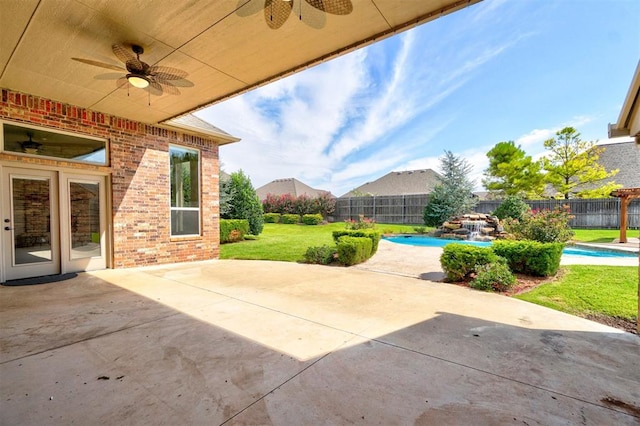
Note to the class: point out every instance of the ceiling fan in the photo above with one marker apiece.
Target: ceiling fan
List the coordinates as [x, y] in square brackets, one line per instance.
[276, 12]
[156, 79]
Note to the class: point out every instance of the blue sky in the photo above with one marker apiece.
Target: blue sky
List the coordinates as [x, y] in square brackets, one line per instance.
[496, 71]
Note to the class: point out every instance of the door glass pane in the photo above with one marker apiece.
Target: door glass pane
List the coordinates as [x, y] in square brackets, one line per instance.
[84, 201]
[31, 220]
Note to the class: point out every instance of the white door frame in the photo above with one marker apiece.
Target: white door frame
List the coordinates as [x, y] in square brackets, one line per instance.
[60, 218]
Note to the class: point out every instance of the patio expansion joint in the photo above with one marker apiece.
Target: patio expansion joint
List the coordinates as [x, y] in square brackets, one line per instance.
[97, 336]
[500, 376]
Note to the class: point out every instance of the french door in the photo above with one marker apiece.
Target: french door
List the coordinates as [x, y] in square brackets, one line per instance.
[52, 222]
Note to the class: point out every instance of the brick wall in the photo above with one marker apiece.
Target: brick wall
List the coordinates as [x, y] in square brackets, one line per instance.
[139, 173]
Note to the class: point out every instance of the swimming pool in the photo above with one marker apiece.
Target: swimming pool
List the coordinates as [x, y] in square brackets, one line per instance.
[424, 241]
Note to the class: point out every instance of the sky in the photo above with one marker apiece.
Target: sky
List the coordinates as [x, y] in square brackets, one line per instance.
[496, 71]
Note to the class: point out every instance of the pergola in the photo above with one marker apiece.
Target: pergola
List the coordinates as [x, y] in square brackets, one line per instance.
[625, 195]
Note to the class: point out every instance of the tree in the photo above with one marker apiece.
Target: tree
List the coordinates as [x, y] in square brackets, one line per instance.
[453, 196]
[512, 172]
[243, 202]
[572, 166]
[512, 207]
[227, 193]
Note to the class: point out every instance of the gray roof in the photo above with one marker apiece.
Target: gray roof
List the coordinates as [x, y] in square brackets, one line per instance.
[289, 186]
[624, 156]
[399, 183]
[193, 124]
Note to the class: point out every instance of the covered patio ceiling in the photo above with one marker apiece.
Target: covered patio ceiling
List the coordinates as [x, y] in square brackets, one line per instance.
[225, 46]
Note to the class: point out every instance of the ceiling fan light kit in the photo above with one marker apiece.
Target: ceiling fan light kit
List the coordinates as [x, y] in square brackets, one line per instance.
[138, 81]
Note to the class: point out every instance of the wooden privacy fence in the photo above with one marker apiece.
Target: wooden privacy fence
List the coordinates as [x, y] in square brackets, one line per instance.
[408, 209]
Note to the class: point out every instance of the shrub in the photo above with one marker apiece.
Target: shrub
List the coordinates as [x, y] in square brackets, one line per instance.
[353, 250]
[271, 217]
[243, 202]
[232, 230]
[322, 255]
[371, 234]
[312, 219]
[493, 276]
[545, 226]
[361, 223]
[512, 207]
[420, 229]
[325, 204]
[460, 260]
[290, 218]
[530, 257]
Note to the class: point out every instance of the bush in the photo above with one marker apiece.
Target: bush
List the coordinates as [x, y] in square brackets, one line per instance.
[290, 219]
[512, 207]
[420, 229]
[322, 255]
[312, 219]
[545, 226]
[271, 217]
[232, 230]
[460, 260]
[530, 257]
[353, 250]
[361, 223]
[493, 276]
[371, 234]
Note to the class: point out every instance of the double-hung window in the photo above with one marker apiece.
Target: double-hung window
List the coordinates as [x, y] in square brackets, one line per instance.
[184, 168]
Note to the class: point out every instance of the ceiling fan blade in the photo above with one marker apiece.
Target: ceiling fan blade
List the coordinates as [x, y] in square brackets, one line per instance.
[169, 88]
[108, 76]
[99, 64]
[334, 7]
[136, 66]
[123, 53]
[246, 8]
[182, 82]
[167, 73]
[122, 83]
[315, 18]
[155, 88]
[276, 12]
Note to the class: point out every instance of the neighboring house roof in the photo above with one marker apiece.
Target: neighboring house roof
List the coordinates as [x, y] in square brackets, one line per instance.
[289, 186]
[624, 156]
[399, 183]
[195, 125]
[224, 175]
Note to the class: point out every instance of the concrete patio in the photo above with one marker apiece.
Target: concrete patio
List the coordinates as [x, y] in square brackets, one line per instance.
[255, 342]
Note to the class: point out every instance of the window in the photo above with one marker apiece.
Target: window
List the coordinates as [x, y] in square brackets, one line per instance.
[31, 140]
[185, 191]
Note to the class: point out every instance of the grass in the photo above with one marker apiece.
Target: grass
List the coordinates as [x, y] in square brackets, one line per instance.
[600, 235]
[289, 243]
[591, 290]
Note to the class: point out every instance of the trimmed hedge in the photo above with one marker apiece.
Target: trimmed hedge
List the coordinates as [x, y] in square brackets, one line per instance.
[373, 235]
[530, 257]
[460, 260]
[322, 255]
[353, 250]
[290, 218]
[493, 276]
[312, 219]
[271, 217]
[232, 230]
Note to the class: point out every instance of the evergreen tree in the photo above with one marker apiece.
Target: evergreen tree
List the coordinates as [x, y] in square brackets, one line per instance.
[572, 166]
[453, 196]
[243, 202]
[512, 172]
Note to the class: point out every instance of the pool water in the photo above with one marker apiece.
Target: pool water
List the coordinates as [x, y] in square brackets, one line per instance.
[424, 241]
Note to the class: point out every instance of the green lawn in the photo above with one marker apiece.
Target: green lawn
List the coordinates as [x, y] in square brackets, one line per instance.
[600, 235]
[584, 290]
[290, 242]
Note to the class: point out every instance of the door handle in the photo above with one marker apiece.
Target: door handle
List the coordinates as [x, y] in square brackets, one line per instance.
[6, 228]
